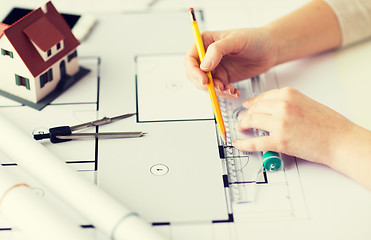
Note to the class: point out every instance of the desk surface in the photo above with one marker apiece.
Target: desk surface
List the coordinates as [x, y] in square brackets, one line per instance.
[354, 67]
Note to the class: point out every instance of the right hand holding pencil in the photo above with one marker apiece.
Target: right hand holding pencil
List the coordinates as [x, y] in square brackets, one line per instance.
[232, 56]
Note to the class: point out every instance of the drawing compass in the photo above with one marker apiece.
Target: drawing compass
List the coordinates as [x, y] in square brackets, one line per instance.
[65, 133]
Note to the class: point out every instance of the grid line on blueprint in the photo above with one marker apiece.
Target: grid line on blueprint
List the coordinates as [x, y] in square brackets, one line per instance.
[137, 90]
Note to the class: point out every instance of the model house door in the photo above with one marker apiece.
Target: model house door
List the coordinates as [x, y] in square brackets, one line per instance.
[62, 69]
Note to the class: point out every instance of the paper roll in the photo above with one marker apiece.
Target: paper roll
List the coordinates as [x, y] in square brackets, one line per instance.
[104, 212]
[33, 215]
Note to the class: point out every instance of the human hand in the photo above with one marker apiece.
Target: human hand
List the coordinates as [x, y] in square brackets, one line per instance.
[231, 56]
[298, 126]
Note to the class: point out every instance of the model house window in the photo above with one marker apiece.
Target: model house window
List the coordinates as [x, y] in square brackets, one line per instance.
[6, 53]
[22, 81]
[46, 77]
[72, 56]
[49, 53]
[58, 46]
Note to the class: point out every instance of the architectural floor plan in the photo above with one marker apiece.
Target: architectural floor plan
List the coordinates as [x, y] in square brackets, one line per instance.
[179, 177]
[190, 183]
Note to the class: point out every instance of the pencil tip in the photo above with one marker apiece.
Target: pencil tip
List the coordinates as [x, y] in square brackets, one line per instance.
[224, 137]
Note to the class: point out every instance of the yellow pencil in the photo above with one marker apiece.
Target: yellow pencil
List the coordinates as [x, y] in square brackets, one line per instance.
[210, 84]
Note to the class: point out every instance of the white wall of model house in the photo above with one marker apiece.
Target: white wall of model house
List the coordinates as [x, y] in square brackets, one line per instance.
[72, 67]
[10, 67]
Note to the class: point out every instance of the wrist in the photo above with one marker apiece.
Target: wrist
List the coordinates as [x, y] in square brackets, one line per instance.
[352, 153]
[309, 30]
[278, 44]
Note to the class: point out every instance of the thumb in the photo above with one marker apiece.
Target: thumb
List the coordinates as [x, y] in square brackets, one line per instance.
[215, 53]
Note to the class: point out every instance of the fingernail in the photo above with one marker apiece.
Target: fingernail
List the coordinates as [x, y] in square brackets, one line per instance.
[237, 95]
[205, 65]
[203, 83]
[232, 92]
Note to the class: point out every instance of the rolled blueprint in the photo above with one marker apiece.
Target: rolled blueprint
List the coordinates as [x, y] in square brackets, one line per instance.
[104, 212]
[33, 215]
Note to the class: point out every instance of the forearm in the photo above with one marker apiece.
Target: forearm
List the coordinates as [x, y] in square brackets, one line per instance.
[353, 154]
[311, 29]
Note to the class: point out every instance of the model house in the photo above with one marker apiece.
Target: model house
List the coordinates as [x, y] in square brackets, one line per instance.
[38, 53]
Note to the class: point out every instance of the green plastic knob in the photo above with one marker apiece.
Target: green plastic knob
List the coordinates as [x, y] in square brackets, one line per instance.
[271, 161]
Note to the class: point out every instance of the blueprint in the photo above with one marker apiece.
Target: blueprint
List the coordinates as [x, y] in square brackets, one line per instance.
[178, 177]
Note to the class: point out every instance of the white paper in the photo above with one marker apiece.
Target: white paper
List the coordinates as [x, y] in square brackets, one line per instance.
[164, 92]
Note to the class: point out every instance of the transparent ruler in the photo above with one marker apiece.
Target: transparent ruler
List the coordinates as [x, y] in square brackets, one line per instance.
[245, 169]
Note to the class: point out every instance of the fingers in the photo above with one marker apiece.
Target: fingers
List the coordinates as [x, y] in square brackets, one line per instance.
[226, 91]
[268, 95]
[193, 71]
[261, 114]
[216, 49]
[215, 52]
[269, 107]
[257, 121]
[199, 77]
[212, 57]
[255, 144]
[283, 95]
[274, 111]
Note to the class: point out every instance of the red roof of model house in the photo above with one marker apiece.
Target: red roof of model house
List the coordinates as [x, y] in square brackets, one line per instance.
[45, 40]
[3, 26]
[44, 30]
